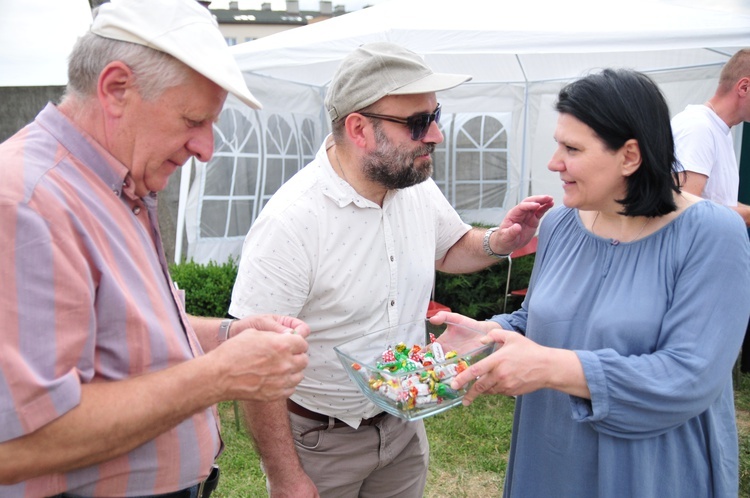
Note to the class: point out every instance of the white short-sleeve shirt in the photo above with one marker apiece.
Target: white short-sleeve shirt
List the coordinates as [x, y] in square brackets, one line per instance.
[321, 252]
[703, 144]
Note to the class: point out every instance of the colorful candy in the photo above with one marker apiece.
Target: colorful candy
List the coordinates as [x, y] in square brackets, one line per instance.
[428, 384]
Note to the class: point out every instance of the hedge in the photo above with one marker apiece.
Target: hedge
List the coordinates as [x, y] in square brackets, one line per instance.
[208, 288]
[478, 295]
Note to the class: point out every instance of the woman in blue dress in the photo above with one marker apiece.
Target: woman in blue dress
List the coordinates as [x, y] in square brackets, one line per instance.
[621, 355]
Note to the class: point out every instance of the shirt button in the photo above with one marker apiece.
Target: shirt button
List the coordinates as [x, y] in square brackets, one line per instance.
[392, 258]
[393, 303]
[136, 210]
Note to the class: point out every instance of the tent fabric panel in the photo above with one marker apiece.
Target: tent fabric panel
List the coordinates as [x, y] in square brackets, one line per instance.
[488, 27]
[520, 55]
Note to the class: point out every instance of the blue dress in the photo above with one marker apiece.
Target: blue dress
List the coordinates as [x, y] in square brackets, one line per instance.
[657, 325]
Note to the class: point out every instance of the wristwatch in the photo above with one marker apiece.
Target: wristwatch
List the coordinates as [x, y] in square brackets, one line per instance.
[486, 244]
[224, 329]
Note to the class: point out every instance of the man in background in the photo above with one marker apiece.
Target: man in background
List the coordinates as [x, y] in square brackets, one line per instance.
[703, 139]
[107, 386]
[704, 148]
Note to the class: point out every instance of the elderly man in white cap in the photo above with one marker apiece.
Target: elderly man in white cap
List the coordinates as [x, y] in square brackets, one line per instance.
[107, 386]
[350, 245]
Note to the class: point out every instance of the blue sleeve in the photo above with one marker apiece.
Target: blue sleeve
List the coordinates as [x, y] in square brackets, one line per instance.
[512, 321]
[696, 347]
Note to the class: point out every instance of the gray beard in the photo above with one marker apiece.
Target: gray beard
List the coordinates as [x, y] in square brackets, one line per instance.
[393, 167]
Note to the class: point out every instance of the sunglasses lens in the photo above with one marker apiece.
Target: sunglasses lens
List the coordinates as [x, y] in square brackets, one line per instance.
[420, 124]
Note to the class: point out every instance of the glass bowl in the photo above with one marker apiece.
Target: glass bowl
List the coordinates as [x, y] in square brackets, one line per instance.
[406, 370]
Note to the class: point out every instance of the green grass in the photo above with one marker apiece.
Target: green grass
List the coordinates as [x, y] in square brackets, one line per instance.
[241, 476]
[742, 405]
[468, 449]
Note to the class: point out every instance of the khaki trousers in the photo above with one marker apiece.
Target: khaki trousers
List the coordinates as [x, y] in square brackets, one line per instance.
[387, 459]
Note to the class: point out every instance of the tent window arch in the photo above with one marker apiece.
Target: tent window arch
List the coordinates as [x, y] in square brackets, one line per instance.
[230, 182]
[253, 158]
[471, 165]
[282, 154]
[257, 152]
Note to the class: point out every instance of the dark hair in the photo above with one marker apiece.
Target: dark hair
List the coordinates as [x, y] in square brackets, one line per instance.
[620, 104]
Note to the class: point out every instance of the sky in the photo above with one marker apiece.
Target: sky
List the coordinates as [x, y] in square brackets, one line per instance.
[351, 5]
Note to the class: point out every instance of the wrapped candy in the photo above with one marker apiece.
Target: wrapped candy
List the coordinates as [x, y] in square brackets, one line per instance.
[428, 384]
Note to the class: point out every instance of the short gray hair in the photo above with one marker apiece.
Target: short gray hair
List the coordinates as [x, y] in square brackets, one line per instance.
[154, 71]
[736, 68]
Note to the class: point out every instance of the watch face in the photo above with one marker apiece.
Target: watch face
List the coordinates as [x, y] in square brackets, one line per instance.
[486, 244]
[224, 327]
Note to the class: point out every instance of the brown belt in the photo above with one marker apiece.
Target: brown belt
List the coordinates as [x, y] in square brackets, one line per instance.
[328, 422]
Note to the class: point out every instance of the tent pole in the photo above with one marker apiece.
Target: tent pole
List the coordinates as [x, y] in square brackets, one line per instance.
[525, 170]
[525, 173]
[185, 173]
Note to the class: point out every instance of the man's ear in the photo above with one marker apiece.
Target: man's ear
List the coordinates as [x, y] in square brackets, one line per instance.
[743, 87]
[115, 87]
[631, 153]
[359, 130]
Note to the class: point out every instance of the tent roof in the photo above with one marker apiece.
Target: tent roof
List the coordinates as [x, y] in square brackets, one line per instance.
[648, 35]
[36, 37]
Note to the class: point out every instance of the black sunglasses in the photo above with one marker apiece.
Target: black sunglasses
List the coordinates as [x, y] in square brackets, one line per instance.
[418, 124]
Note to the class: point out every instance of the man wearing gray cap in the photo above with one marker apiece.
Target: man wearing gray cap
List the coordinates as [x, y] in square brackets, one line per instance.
[350, 245]
[107, 387]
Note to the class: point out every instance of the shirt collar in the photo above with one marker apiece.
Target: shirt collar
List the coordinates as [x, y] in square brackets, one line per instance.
[88, 151]
[335, 187]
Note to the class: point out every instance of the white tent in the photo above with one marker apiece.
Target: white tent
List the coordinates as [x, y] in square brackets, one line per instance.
[498, 127]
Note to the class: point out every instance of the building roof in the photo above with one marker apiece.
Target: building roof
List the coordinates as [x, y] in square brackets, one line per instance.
[301, 18]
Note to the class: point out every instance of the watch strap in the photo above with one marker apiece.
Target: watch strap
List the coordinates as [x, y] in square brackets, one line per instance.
[224, 327]
[486, 244]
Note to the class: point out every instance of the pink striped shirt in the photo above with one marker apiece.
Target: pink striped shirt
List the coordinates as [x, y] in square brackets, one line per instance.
[86, 297]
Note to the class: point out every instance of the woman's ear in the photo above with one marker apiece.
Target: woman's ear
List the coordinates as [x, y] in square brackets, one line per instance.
[115, 87]
[631, 154]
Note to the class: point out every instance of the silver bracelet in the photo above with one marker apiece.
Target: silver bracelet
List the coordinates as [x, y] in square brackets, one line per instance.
[224, 329]
[486, 244]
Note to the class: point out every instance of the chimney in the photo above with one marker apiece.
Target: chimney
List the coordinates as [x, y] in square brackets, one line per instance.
[234, 5]
[326, 7]
[292, 7]
[265, 6]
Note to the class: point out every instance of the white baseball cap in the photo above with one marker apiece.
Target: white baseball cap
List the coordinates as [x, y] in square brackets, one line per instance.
[183, 29]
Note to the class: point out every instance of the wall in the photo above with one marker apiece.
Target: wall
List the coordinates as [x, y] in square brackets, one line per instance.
[19, 106]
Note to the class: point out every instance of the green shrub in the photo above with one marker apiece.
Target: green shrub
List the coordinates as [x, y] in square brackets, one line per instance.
[479, 295]
[208, 288]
